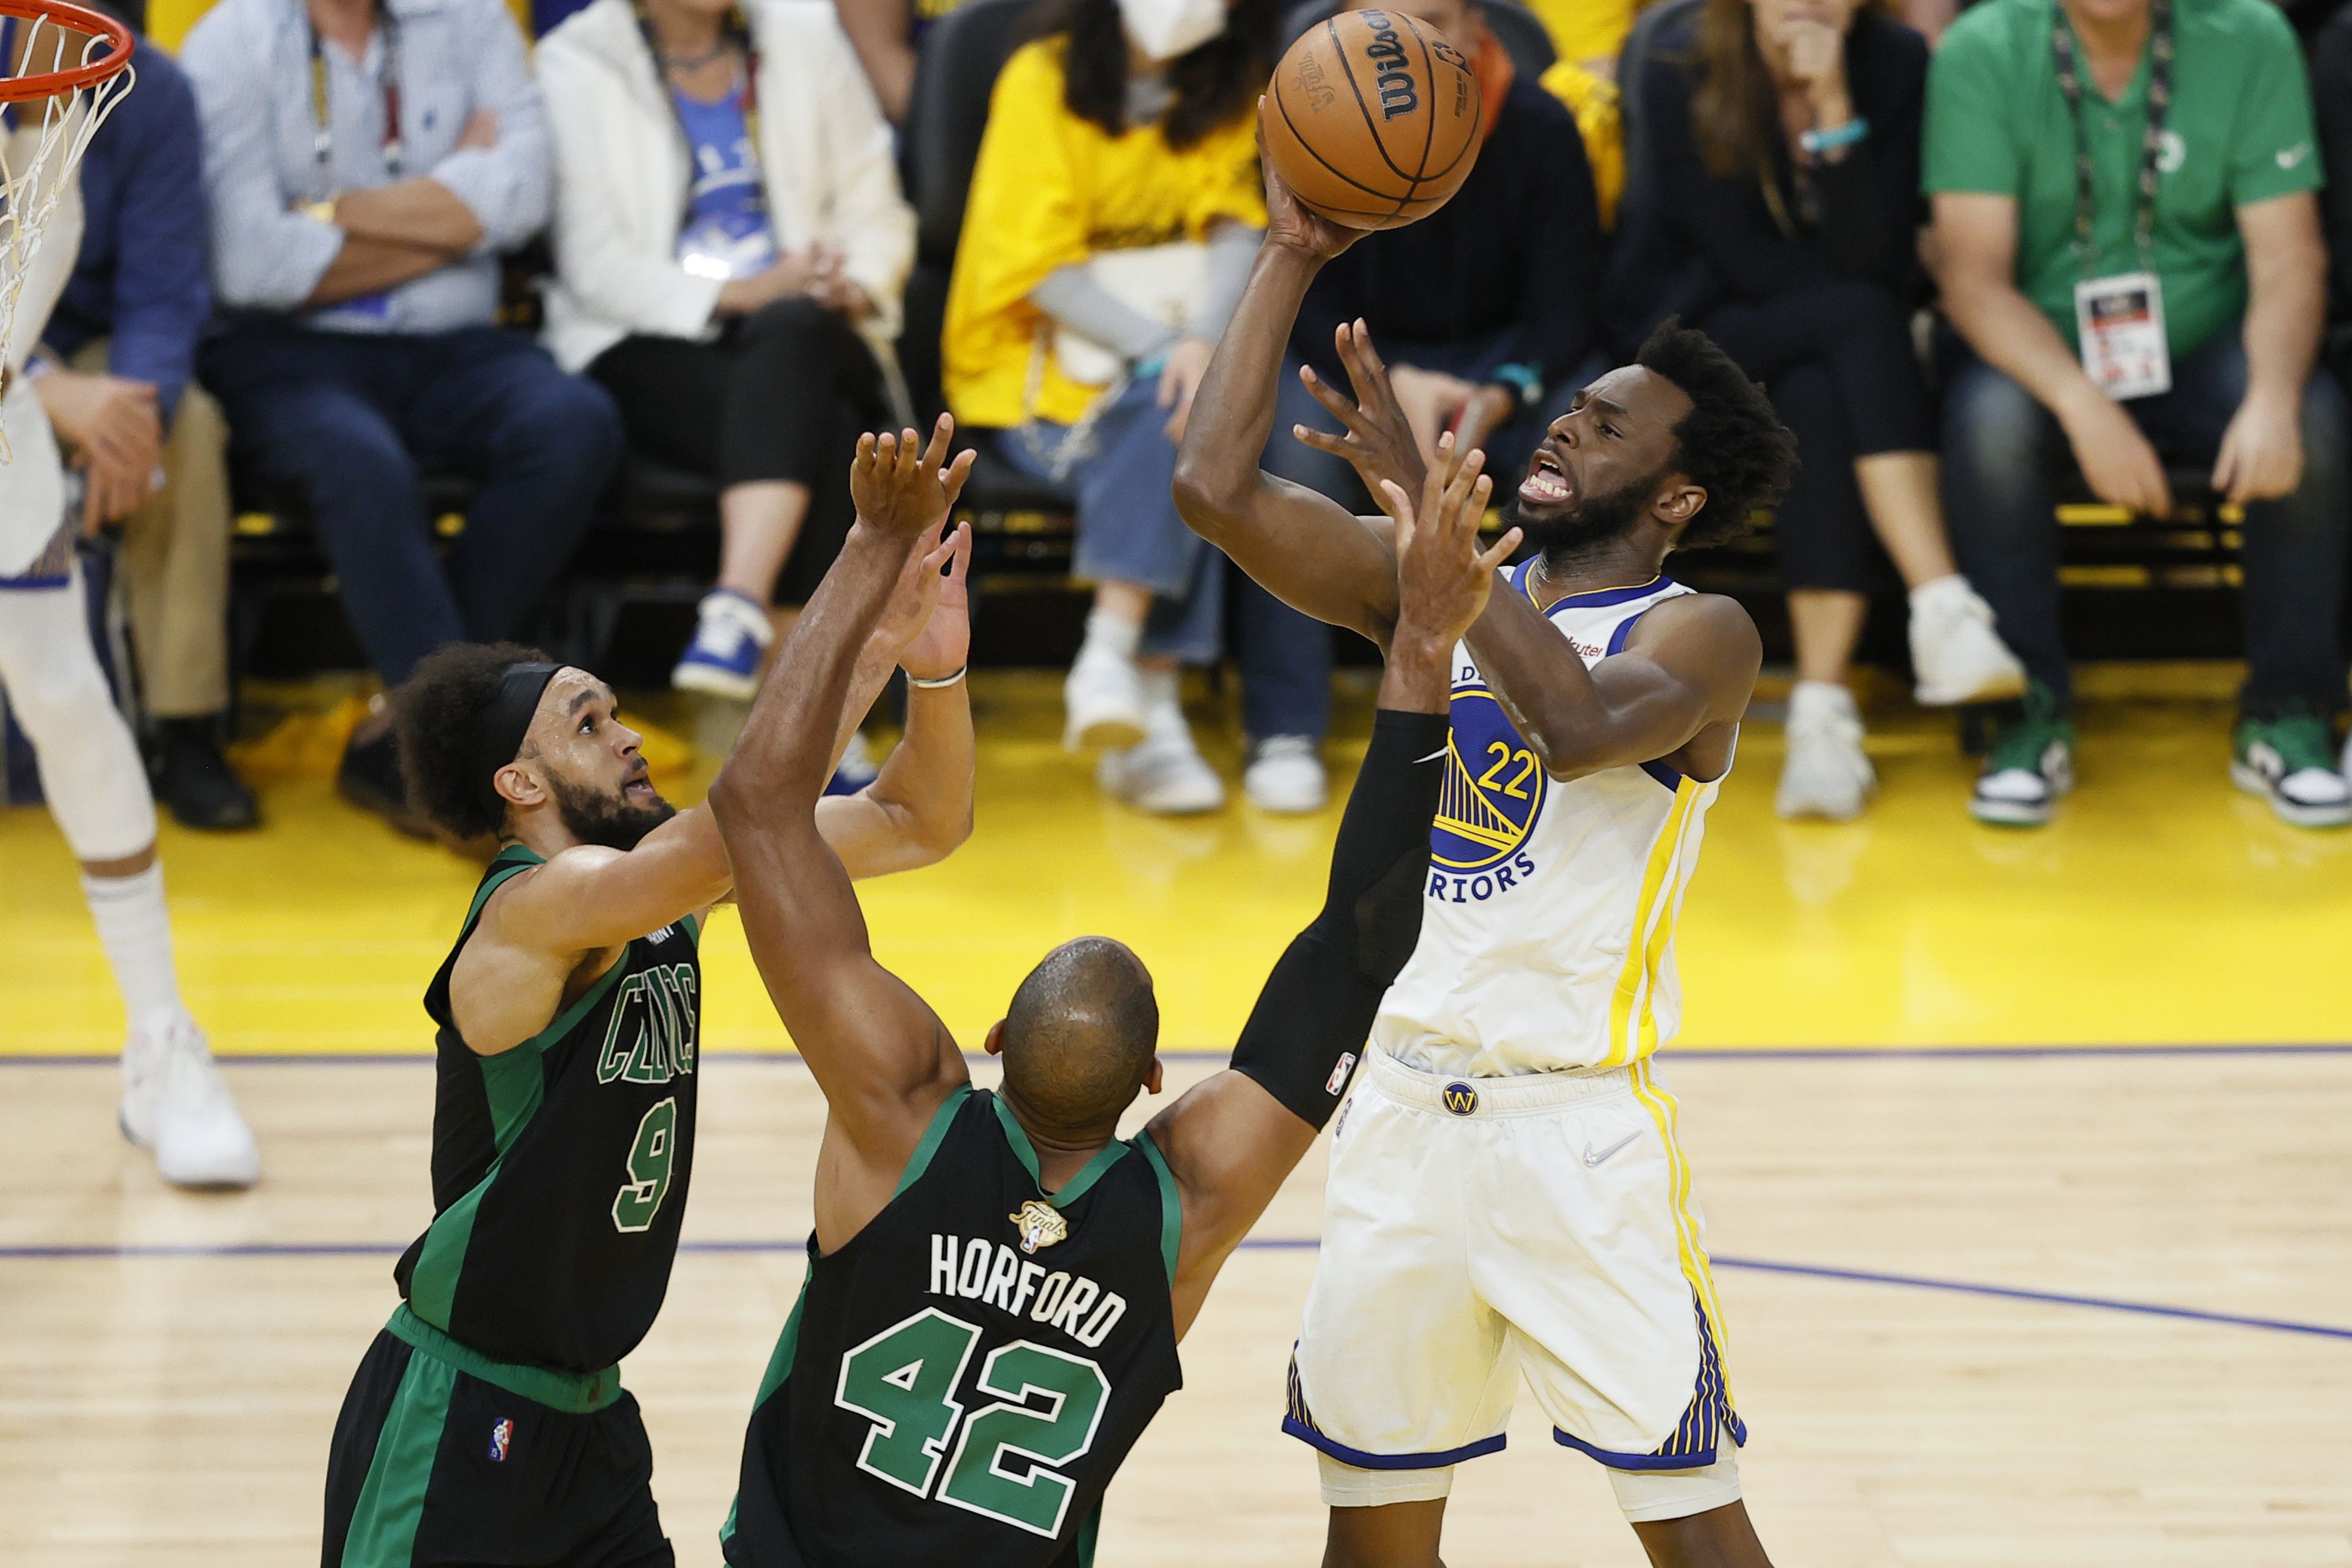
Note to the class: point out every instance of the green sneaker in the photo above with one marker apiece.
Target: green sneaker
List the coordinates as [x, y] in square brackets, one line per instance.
[2031, 765]
[2290, 760]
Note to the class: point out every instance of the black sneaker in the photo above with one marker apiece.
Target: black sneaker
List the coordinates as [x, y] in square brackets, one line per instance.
[369, 778]
[194, 782]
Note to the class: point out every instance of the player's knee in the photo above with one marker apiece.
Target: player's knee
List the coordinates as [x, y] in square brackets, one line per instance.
[57, 693]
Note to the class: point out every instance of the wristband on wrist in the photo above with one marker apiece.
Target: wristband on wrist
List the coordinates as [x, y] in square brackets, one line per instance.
[954, 680]
[1818, 140]
[1525, 385]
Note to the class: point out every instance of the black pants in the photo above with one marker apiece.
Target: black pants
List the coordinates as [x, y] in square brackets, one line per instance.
[351, 420]
[2003, 454]
[1839, 364]
[780, 395]
[433, 1468]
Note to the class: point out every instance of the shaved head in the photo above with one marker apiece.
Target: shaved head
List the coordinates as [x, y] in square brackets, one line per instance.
[1080, 1034]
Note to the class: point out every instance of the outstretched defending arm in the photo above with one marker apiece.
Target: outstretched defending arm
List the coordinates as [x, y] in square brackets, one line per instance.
[1231, 1140]
[881, 1055]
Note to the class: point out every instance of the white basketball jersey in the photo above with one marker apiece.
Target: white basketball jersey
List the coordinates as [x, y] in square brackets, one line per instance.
[1547, 933]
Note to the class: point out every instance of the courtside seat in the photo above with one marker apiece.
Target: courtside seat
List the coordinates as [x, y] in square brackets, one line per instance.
[1019, 524]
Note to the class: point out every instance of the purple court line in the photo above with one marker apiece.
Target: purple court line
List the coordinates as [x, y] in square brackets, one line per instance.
[1254, 1244]
[1207, 1053]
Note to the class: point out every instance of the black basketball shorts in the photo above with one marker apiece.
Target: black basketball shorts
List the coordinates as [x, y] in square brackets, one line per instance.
[433, 1466]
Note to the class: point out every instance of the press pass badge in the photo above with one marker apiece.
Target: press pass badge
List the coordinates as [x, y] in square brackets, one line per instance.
[2120, 322]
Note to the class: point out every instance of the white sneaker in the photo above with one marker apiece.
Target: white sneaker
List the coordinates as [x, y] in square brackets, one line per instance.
[1286, 776]
[1954, 651]
[1102, 702]
[175, 1105]
[1825, 774]
[731, 633]
[1165, 773]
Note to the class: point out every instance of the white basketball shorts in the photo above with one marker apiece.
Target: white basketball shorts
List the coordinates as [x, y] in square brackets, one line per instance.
[1477, 1231]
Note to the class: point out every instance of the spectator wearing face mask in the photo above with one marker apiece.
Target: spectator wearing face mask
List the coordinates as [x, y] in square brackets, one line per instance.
[1115, 210]
[2167, 315]
[1783, 141]
[729, 248]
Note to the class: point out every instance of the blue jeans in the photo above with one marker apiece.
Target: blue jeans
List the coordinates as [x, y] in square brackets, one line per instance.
[2004, 452]
[1129, 531]
[352, 422]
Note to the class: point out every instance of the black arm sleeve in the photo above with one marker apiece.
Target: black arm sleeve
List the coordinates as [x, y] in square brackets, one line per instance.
[1303, 1036]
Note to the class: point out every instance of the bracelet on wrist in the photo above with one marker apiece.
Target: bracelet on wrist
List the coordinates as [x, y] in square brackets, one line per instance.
[955, 680]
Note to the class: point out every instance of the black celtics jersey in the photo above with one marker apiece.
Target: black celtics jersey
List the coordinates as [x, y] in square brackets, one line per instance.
[560, 1167]
[959, 1383]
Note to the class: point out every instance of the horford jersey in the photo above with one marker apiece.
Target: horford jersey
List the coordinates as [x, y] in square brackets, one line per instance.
[1547, 937]
[961, 1380]
[560, 1167]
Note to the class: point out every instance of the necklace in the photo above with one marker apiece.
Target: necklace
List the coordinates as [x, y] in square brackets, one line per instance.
[696, 62]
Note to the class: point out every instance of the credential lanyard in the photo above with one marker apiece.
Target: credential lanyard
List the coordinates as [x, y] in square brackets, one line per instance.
[740, 35]
[322, 129]
[2159, 103]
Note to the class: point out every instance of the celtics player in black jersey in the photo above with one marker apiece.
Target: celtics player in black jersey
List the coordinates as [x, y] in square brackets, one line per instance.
[488, 1425]
[997, 1282]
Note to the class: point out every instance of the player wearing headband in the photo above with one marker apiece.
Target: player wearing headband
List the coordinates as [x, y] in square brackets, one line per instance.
[487, 1423]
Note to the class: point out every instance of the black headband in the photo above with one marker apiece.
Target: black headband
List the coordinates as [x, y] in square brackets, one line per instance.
[498, 733]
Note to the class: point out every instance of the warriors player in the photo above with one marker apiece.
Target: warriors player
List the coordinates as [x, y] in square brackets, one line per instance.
[487, 1423]
[998, 1282]
[1509, 1195]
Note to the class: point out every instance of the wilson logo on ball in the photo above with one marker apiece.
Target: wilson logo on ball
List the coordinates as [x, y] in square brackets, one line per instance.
[1386, 51]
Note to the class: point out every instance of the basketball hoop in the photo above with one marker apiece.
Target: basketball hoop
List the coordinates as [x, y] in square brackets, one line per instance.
[75, 65]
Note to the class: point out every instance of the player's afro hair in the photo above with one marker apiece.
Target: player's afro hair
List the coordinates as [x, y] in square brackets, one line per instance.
[438, 714]
[1731, 443]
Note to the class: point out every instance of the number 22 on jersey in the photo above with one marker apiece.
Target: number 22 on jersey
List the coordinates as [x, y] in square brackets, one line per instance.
[905, 1379]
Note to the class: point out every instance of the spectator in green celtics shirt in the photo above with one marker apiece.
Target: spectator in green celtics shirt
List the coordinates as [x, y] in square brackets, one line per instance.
[2128, 242]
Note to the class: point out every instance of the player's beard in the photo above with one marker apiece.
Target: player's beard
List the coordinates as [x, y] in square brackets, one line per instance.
[1588, 523]
[611, 821]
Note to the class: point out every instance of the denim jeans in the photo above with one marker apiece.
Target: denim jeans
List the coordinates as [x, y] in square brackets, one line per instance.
[1129, 531]
[351, 420]
[2004, 452]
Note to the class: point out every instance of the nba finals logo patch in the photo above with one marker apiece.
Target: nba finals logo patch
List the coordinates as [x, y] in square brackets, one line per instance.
[1041, 1225]
[1461, 1099]
[1486, 807]
[501, 1438]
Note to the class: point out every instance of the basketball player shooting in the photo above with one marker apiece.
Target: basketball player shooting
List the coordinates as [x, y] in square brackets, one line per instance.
[487, 1423]
[997, 1282]
[1509, 1195]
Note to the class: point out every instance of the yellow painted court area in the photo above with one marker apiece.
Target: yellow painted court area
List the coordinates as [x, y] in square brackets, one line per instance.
[2162, 907]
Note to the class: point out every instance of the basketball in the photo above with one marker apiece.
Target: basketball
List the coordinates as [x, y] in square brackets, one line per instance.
[1372, 120]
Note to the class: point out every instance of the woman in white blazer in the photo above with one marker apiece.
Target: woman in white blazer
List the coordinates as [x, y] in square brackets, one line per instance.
[731, 247]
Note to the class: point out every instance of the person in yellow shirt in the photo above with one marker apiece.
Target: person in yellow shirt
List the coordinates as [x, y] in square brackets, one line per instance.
[1114, 212]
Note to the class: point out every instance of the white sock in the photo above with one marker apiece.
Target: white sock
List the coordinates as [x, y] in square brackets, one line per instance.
[136, 930]
[1108, 635]
[1935, 590]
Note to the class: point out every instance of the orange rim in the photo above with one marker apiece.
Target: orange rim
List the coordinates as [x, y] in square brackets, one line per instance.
[58, 14]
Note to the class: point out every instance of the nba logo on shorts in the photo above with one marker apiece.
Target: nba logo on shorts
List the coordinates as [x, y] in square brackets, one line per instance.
[501, 1435]
[1461, 1099]
[1339, 1079]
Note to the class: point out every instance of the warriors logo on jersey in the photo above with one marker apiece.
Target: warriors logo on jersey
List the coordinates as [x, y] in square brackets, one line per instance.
[1494, 783]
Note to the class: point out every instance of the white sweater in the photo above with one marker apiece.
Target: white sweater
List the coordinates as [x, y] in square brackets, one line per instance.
[622, 168]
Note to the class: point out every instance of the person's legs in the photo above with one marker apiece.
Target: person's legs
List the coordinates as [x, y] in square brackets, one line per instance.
[173, 1101]
[1284, 660]
[1388, 1535]
[1720, 1538]
[1826, 562]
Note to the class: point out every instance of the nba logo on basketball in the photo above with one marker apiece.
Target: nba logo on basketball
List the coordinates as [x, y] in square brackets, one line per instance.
[501, 1436]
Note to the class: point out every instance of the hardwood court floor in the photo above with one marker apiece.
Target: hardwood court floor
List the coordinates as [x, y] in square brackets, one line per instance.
[170, 1365]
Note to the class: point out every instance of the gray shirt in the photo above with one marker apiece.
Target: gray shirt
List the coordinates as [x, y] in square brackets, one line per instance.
[250, 63]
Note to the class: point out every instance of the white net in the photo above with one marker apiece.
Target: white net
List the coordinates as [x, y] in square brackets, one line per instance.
[40, 155]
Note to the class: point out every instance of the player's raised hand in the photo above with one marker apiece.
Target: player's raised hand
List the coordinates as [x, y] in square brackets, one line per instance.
[903, 489]
[932, 608]
[1376, 437]
[1443, 577]
[1288, 220]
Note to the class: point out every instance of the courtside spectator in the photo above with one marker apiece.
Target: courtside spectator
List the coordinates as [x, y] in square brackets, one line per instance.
[1117, 187]
[113, 372]
[2193, 118]
[368, 161]
[1783, 137]
[1484, 311]
[886, 34]
[738, 302]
